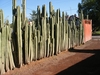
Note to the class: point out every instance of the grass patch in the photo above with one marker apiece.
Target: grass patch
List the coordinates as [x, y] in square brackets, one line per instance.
[96, 33]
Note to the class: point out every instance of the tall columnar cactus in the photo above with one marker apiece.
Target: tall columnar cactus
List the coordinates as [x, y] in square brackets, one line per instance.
[50, 9]
[38, 35]
[3, 38]
[81, 28]
[40, 53]
[57, 33]
[52, 27]
[42, 46]
[48, 39]
[39, 32]
[44, 27]
[9, 63]
[0, 54]
[26, 43]
[35, 42]
[14, 13]
[35, 46]
[14, 35]
[7, 50]
[60, 23]
[51, 19]
[23, 12]
[1, 18]
[38, 15]
[52, 33]
[10, 55]
[74, 33]
[66, 31]
[56, 39]
[50, 49]
[42, 36]
[0, 44]
[69, 36]
[63, 21]
[52, 23]
[1, 15]
[47, 47]
[39, 45]
[19, 36]
[60, 34]
[30, 43]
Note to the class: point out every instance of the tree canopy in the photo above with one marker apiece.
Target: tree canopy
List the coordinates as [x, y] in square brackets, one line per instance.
[33, 15]
[91, 8]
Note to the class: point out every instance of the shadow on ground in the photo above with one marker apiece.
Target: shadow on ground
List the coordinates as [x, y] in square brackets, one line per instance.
[89, 66]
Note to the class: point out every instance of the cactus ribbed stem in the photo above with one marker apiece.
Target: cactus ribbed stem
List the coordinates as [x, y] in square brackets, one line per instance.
[1, 18]
[35, 45]
[30, 43]
[3, 40]
[6, 51]
[14, 13]
[44, 25]
[38, 15]
[19, 36]
[0, 53]
[66, 25]
[23, 13]
[10, 55]
[26, 43]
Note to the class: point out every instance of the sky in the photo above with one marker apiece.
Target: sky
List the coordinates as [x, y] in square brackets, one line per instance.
[69, 6]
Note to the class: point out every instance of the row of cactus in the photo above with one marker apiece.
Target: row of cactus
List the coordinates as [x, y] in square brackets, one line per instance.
[46, 37]
[6, 56]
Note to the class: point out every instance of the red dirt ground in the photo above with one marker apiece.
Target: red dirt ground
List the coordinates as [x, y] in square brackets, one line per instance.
[83, 60]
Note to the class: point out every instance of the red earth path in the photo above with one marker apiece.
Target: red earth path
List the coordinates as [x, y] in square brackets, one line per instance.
[83, 60]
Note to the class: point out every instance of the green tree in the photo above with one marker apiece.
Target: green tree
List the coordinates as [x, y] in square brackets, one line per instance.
[33, 16]
[91, 8]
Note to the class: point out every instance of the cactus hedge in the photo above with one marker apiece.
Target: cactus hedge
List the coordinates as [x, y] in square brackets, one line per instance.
[46, 37]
